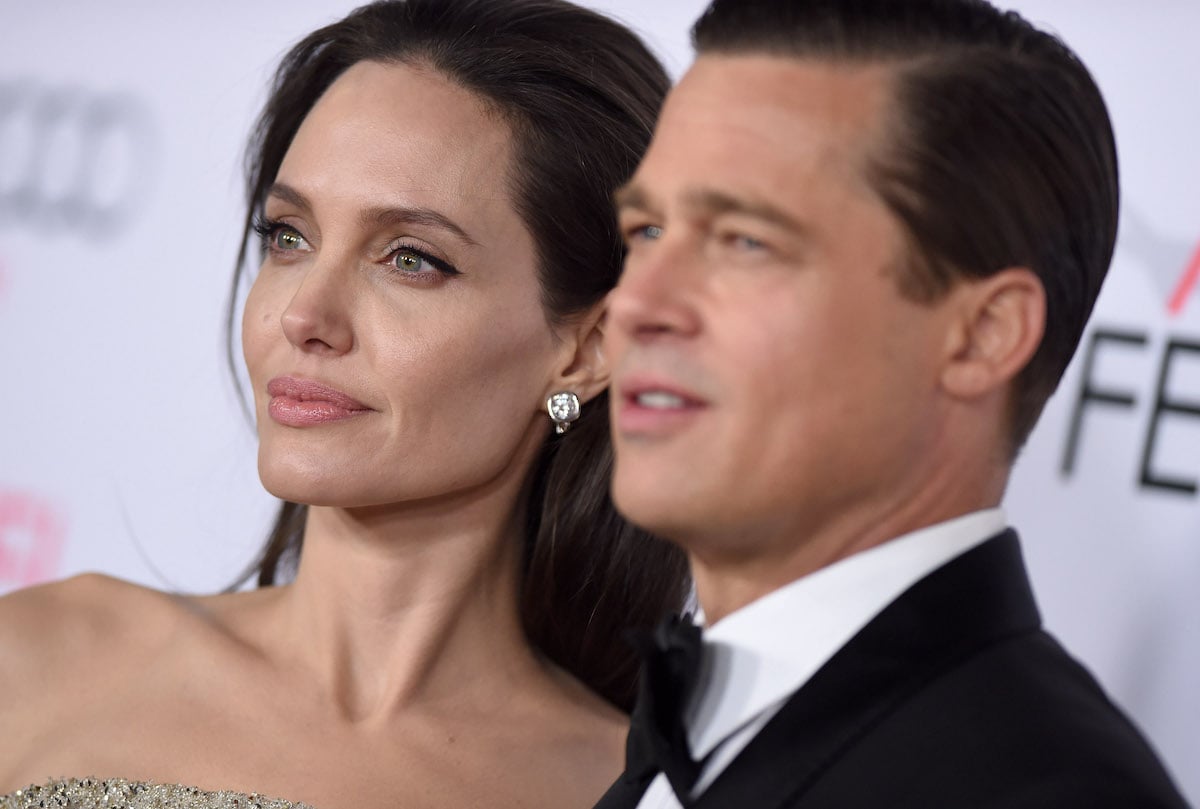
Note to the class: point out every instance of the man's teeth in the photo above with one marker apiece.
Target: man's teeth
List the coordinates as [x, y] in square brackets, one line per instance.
[657, 400]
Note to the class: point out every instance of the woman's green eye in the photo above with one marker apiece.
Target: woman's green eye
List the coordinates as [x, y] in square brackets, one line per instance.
[286, 239]
[415, 262]
[409, 262]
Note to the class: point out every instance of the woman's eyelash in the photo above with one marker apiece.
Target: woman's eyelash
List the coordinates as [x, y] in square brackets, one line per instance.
[271, 232]
[267, 228]
[441, 265]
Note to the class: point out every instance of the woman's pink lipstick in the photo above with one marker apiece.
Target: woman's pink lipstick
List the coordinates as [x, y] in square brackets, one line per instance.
[304, 403]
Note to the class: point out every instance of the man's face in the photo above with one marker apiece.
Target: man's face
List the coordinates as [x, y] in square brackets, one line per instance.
[771, 383]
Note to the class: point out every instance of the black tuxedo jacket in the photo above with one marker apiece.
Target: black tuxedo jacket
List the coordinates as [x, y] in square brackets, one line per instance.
[952, 696]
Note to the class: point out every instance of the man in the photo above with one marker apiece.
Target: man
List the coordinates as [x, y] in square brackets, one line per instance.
[862, 249]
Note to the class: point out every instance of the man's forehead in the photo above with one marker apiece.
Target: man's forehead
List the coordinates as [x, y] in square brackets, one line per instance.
[854, 92]
[762, 123]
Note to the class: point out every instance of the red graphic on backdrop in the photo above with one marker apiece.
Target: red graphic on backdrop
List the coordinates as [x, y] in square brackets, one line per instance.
[1172, 263]
[1187, 284]
[32, 535]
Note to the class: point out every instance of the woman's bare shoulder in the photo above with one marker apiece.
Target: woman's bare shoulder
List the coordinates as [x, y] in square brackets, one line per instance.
[51, 630]
[582, 734]
[106, 671]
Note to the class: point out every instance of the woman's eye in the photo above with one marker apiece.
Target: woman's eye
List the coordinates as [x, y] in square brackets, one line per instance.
[278, 237]
[285, 238]
[410, 261]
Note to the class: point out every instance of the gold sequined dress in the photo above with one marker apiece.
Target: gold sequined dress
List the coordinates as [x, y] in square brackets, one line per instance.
[114, 793]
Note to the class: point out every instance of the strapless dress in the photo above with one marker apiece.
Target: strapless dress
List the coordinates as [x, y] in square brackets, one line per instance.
[115, 793]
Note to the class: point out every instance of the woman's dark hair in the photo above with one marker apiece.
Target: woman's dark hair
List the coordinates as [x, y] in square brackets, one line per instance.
[999, 152]
[581, 94]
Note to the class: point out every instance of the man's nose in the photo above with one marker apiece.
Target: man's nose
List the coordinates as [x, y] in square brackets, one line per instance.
[656, 295]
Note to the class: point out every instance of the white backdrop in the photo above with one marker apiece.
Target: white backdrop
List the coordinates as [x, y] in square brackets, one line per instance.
[123, 448]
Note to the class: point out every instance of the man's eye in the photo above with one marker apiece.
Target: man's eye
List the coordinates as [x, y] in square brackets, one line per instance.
[739, 242]
[644, 233]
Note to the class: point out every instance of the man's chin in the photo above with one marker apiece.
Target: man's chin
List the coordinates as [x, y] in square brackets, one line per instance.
[662, 511]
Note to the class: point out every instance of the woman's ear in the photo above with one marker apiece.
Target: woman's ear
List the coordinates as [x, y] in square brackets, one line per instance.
[582, 368]
[997, 327]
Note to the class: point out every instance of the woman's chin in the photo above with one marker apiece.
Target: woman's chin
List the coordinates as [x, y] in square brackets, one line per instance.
[311, 487]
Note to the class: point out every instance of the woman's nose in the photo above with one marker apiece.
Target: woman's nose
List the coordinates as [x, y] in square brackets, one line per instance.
[318, 317]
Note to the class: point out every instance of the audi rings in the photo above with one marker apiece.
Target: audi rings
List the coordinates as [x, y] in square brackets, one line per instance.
[72, 159]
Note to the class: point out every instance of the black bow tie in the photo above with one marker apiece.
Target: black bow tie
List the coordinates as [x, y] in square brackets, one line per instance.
[657, 738]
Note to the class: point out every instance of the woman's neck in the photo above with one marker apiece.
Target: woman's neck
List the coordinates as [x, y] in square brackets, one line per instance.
[408, 604]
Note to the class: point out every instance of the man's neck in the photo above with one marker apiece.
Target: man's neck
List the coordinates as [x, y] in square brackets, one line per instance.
[726, 582]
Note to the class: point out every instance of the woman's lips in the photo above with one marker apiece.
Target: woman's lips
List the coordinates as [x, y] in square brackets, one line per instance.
[304, 403]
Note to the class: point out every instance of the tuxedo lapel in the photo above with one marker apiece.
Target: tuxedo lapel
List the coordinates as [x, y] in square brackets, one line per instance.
[625, 793]
[968, 604]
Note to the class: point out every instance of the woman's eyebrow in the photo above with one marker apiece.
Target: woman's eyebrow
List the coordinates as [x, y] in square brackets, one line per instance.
[289, 195]
[381, 215]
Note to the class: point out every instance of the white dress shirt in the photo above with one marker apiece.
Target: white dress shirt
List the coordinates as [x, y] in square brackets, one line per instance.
[754, 659]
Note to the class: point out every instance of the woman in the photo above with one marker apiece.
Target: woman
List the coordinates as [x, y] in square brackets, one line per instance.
[431, 183]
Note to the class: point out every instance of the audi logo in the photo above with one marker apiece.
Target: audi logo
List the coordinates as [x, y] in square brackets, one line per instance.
[72, 160]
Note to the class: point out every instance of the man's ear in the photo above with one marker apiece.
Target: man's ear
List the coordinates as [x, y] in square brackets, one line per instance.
[997, 326]
[582, 368]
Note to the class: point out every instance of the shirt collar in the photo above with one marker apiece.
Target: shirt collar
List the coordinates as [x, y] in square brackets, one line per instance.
[756, 657]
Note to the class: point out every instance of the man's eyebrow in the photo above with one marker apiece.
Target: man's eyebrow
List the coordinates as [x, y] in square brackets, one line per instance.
[381, 215]
[710, 202]
[631, 196]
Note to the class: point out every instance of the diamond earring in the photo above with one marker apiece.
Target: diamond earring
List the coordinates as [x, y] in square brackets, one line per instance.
[563, 408]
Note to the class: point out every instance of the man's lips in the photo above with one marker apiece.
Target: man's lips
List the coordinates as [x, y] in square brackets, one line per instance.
[656, 394]
[304, 402]
[651, 406]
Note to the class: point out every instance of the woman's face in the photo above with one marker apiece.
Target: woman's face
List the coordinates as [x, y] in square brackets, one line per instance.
[394, 336]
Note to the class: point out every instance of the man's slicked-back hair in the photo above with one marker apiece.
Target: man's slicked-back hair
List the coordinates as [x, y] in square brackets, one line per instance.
[998, 151]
